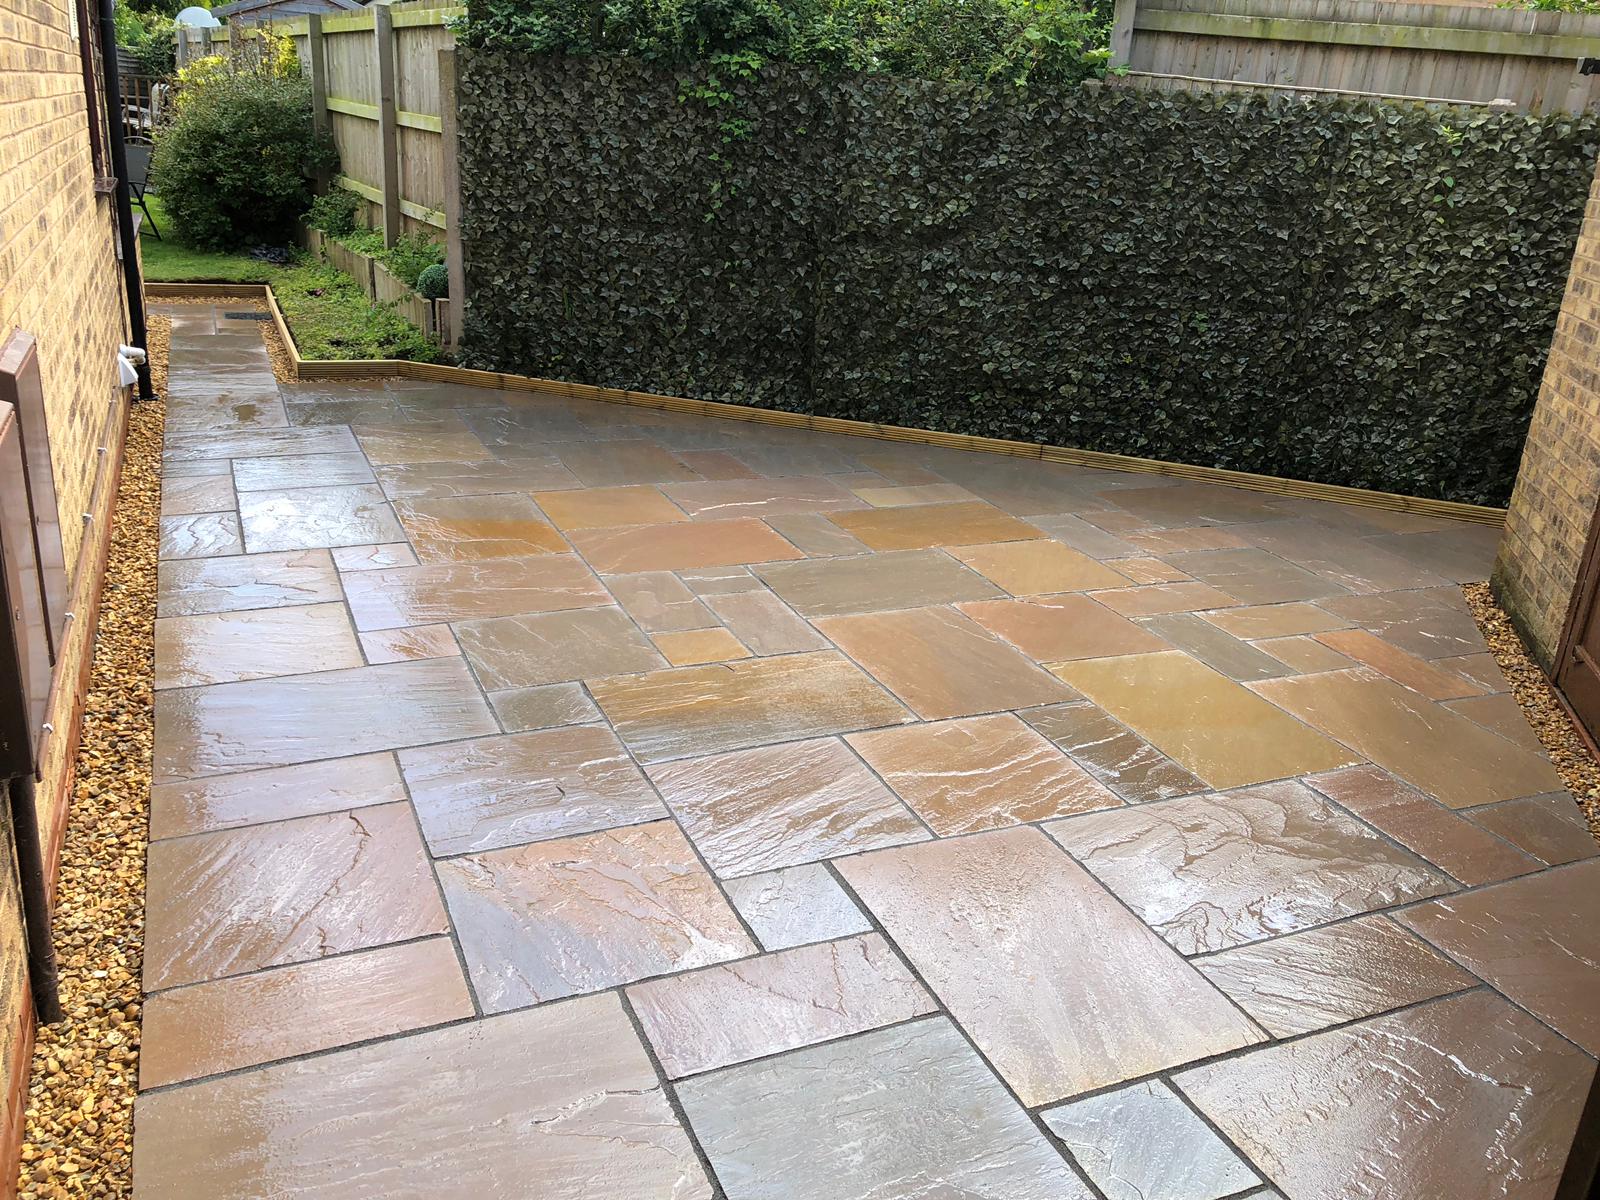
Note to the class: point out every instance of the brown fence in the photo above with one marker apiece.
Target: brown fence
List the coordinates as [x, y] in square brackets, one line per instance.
[1451, 52]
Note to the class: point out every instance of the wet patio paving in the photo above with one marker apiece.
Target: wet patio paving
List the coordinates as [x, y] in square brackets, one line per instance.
[563, 800]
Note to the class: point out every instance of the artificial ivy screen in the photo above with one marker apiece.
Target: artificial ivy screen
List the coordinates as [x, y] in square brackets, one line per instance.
[1344, 291]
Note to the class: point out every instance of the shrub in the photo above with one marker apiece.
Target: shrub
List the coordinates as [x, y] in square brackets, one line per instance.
[434, 282]
[234, 164]
[410, 256]
[334, 213]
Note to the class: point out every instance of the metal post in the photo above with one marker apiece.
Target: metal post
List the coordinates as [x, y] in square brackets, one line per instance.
[35, 901]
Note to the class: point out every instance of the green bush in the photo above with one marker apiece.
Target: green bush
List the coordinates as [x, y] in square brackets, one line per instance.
[434, 282]
[410, 256]
[234, 164]
[334, 213]
[1344, 291]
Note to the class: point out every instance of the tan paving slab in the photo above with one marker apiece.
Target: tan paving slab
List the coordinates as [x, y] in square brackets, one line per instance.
[491, 792]
[780, 806]
[618, 463]
[1106, 999]
[659, 601]
[764, 623]
[721, 499]
[1157, 598]
[1209, 872]
[527, 1104]
[1417, 674]
[470, 528]
[306, 518]
[1439, 1087]
[387, 446]
[301, 718]
[524, 709]
[815, 534]
[1537, 939]
[1031, 568]
[1212, 726]
[1178, 541]
[408, 645]
[941, 1126]
[1481, 668]
[1143, 1141]
[301, 470]
[419, 481]
[198, 494]
[1446, 839]
[374, 558]
[257, 443]
[239, 900]
[719, 581]
[924, 493]
[875, 582]
[209, 1028]
[745, 1010]
[230, 646]
[689, 711]
[1255, 576]
[1341, 972]
[543, 648]
[925, 525]
[1147, 570]
[980, 773]
[794, 906]
[200, 535]
[1194, 503]
[276, 794]
[1551, 828]
[1304, 655]
[600, 508]
[689, 647]
[714, 464]
[1498, 712]
[246, 581]
[681, 546]
[1430, 623]
[435, 592]
[1355, 563]
[1254, 621]
[582, 914]
[1451, 758]
[1113, 753]
[1218, 649]
[941, 664]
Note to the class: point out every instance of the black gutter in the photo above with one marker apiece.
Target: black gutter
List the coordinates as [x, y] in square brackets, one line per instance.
[119, 166]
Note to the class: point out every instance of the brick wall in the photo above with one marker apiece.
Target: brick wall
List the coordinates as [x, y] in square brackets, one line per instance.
[59, 280]
[1559, 482]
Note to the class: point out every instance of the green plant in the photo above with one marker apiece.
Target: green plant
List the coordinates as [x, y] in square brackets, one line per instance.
[410, 255]
[334, 212]
[331, 317]
[434, 282]
[233, 165]
[149, 35]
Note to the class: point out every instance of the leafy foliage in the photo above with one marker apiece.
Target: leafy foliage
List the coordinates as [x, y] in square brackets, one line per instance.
[1343, 291]
[149, 35]
[433, 283]
[331, 317]
[334, 212]
[233, 165]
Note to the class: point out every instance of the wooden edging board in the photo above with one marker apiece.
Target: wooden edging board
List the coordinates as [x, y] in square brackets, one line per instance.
[310, 368]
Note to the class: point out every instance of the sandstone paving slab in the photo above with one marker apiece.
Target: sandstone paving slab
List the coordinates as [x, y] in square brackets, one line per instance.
[558, 1102]
[1551, 828]
[1031, 568]
[1304, 655]
[1446, 839]
[1142, 1141]
[275, 794]
[721, 499]
[200, 535]
[408, 645]
[231, 727]
[374, 558]
[196, 494]
[523, 709]
[242, 899]
[980, 773]
[756, 1007]
[691, 711]
[311, 517]
[1152, 600]
[1340, 972]
[258, 443]
[926, 525]
[817, 536]
[583, 914]
[875, 582]
[794, 906]
[689, 647]
[1454, 760]
[1463, 1097]
[1252, 622]
[231, 646]
[1536, 939]
[1183, 504]
[1051, 629]
[619, 463]
[1353, 563]
[764, 623]
[1219, 650]
[726, 580]
[470, 528]
[1461, 552]
[435, 592]
[1212, 726]
[1254, 576]
[208, 1028]
[681, 546]
[600, 508]
[925, 1118]
[659, 601]
[420, 442]
[421, 481]
[1209, 872]
[301, 470]
[1111, 752]
[880, 496]
[555, 647]
[1418, 674]
[779, 806]
[1106, 1000]
[486, 793]
[1497, 710]
[941, 664]
[246, 581]
[1429, 623]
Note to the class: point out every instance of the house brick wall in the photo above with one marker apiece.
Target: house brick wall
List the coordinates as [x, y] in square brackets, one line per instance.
[1559, 482]
[60, 281]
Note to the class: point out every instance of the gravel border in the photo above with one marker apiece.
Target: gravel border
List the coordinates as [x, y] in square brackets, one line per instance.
[1579, 768]
[79, 1135]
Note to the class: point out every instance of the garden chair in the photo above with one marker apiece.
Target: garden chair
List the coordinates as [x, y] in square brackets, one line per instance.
[138, 151]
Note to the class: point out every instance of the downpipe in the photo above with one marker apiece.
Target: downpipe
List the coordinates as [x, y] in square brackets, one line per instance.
[42, 980]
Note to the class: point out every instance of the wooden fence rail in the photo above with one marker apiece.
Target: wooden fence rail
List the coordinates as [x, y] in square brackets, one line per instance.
[1445, 52]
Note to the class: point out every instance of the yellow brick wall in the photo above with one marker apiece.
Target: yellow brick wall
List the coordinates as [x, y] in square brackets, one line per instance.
[60, 281]
[1559, 483]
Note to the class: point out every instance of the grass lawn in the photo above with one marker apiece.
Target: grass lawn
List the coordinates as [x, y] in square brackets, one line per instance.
[327, 311]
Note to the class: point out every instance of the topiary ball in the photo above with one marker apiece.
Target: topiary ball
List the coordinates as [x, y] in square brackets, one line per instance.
[434, 282]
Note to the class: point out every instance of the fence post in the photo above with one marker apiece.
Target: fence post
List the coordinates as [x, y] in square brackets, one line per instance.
[388, 128]
[1122, 32]
[317, 61]
[449, 130]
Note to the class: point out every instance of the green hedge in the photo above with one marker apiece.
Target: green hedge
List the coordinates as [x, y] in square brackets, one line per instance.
[1342, 291]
